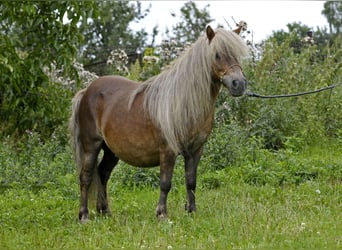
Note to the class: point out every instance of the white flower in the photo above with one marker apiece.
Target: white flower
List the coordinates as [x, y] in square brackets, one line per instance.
[302, 226]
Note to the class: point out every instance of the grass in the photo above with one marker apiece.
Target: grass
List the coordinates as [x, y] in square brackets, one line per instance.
[236, 216]
[286, 199]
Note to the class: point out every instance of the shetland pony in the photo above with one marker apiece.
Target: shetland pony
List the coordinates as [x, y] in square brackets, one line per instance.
[149, 124]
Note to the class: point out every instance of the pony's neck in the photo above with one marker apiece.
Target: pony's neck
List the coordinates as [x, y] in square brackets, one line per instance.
[215, 90]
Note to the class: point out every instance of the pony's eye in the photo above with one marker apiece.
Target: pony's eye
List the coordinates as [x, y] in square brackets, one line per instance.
[217, 56]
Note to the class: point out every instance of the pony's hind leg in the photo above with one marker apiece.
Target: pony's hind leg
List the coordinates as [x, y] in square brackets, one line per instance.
[87, 172]
[105, 168]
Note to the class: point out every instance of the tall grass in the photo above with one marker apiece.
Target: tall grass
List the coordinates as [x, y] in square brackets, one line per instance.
[247, 197]
[235, 215]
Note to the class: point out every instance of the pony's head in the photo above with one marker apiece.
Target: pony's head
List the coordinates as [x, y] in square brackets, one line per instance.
[227, 49]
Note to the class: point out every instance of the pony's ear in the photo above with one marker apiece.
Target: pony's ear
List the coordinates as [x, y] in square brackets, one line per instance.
[238, 30]
[210, 33]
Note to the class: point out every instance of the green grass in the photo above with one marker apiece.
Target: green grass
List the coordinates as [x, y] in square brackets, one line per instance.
[233, 216]
[287, 199]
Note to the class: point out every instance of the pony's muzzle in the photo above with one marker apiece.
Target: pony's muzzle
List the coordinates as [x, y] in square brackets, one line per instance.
[236, 85]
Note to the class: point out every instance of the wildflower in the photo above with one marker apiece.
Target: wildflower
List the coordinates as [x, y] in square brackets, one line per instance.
[119, 59]
[151, 59]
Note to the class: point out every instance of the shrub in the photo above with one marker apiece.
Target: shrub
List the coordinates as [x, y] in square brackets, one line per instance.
[281, 71]
[33, 162]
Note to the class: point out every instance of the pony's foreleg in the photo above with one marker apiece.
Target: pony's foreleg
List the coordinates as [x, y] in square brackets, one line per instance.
[191, 163]
[105, 168]
[167, 162]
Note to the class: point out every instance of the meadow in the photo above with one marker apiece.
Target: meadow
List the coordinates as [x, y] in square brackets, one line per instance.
[270, 176]
[285, 199]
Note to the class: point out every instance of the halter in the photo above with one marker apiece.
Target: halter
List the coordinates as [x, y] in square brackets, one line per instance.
[221, 75]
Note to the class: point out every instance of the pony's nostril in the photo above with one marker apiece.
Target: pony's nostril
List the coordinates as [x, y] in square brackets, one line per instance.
[235, 84]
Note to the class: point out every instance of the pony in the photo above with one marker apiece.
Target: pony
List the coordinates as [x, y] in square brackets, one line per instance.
[151, 123]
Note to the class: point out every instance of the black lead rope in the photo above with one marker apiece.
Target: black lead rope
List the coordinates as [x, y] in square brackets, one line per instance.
[291, 95]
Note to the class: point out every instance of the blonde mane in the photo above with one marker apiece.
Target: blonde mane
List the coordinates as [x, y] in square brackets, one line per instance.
[180, 96]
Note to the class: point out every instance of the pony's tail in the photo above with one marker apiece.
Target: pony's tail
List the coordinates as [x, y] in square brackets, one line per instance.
[74, 128]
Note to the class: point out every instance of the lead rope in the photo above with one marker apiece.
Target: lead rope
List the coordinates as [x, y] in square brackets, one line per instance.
[251, 94]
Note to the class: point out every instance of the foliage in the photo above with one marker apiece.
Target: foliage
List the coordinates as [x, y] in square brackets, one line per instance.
[110, 31]
[333, 12]
[233, 147]
[282, 70]
[35, 163]
[301, 36]
[33, 35]
[287, 167]
[244, 126]
[193, 22]
[296, 32]
[229, 156]
[239, 158]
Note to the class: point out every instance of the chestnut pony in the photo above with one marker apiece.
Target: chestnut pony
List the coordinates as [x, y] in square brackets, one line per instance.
[151, 123]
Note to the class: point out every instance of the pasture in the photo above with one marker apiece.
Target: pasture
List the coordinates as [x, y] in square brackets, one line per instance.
[284, 199]
[270, 174]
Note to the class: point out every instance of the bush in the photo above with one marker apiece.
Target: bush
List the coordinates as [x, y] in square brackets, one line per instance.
[34, 163]
[247, 135]
[225, 147]
[282, 71]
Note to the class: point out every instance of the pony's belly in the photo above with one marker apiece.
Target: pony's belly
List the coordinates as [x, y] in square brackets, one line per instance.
[138, 149]
[139, 157]
[142, 164]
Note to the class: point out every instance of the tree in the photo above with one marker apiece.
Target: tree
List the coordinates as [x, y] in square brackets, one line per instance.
[193, 22]
[296, 32]
[33, 34]
[110, 31]
[333, 12]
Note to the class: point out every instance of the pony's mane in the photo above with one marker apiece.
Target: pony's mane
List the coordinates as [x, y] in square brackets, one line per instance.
[180, 96]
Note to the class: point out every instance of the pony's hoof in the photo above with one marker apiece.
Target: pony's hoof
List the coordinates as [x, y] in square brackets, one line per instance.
[190, 208]
[161, 212]
[161, 217]
[83, 216]
[106, 212]
[84, 221]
